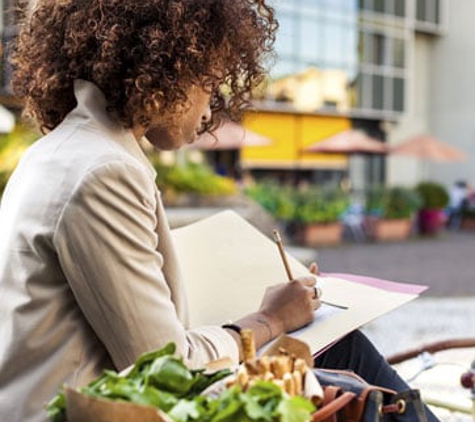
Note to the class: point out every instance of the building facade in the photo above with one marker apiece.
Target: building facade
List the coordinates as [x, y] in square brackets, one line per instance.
[392, 68]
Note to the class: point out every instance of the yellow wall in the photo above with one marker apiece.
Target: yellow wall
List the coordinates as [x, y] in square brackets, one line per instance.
[290, 134]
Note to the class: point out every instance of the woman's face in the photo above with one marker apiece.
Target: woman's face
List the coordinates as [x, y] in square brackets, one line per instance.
[185, 131]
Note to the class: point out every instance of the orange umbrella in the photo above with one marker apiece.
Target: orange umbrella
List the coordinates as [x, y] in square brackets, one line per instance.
[349, 142]
[230, 135]
[426, 147]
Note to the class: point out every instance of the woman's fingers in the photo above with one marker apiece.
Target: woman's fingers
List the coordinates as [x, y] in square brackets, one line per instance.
[314, 268]
[308, 281]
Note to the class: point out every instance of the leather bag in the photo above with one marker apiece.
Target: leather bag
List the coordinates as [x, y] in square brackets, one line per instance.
[348, 398]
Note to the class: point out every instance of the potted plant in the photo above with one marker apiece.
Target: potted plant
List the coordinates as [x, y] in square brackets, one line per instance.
[276, 199]
[434, 198]
[317, 215]
[191, 184]
[390, 212]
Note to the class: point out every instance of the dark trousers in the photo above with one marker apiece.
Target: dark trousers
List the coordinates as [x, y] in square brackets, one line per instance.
[356, 353]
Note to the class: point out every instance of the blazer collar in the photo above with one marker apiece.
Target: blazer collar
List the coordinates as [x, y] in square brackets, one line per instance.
[91, 110]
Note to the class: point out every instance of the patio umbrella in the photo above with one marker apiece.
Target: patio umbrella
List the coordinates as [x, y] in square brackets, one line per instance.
[427, 147]
[230, 135]
[349, 142]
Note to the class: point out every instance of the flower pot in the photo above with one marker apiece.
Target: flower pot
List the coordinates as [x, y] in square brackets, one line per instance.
[468, 223]
[320, 234]
[381, 229]
[430, 221]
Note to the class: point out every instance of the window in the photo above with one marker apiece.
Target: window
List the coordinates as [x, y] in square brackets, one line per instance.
[400, 8]
[310, 40]
[428, 15]
[398, 53]
[379, 49]
[398, 94]
[378, 93]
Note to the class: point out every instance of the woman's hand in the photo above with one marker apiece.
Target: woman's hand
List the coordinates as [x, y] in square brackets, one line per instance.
[285, 307]
[291, 305]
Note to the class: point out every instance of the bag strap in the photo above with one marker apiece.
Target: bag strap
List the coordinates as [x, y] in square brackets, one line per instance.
[329, 410]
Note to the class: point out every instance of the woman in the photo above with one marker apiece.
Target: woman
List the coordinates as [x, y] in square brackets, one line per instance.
[89, 277]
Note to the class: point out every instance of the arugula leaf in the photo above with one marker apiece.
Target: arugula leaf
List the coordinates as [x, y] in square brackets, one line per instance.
[294, 409]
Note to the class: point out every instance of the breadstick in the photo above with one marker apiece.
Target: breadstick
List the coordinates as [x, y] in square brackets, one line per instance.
[248, 345]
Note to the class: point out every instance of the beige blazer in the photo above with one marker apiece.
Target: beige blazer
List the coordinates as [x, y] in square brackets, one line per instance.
[88, 273]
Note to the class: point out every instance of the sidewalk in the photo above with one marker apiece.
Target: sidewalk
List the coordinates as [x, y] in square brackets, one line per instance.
[445, 263]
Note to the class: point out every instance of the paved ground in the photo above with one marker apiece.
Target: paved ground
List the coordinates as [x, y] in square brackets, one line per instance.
[445, 263]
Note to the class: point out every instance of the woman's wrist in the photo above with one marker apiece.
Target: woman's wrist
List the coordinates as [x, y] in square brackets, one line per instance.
[273, 327]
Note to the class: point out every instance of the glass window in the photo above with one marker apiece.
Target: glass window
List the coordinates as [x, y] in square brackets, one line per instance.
[349, 36]
[366, 4]
[428, 11]
[378, 92]
[285, 40]
[379, 49]
[311, 7]
[400, 8]
[333, 45]
[355, 92]
[366, 50]
[346, 5]
[421, 10]
[398, 94]
[310, 40]
[398, 53]
[367, 88]
[437, 11]
[283, 68]
[379, 6]
[329, 34]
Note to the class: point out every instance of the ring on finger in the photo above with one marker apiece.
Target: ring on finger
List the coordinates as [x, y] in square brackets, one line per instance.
[317, 292]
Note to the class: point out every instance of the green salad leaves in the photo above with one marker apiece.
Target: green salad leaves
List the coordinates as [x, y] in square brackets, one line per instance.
[161, 380]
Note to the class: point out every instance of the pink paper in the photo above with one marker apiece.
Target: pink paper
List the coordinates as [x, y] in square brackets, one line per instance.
[390, 286]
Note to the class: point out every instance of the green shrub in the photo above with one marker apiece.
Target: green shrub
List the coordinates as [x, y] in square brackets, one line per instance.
[276, 199]
[320, 204]
[300, 205]
[193, 178]
[393, 202]
[433, 195]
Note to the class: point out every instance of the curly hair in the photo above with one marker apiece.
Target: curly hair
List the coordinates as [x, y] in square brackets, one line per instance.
[143, 54]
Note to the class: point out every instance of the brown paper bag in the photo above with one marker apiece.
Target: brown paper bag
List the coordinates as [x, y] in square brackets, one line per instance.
[82, 408]
[292, 346]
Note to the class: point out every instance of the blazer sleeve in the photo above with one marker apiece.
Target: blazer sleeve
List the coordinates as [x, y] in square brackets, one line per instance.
[107, 247]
